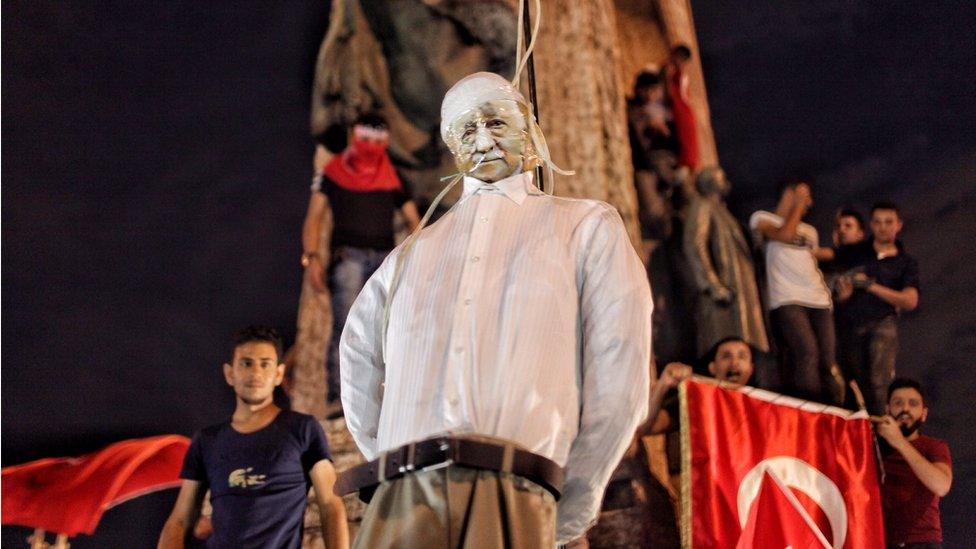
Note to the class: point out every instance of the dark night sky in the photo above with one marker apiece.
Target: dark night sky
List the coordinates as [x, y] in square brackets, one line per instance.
[155, 166]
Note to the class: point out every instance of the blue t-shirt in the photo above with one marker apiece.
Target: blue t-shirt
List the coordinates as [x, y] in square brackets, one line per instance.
[258, 481]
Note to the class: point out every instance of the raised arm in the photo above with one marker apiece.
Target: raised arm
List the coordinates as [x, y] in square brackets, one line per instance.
[185, 513]
[658, 419]
[936, 476]
[615, 309]
[786, 232]
[332, 512]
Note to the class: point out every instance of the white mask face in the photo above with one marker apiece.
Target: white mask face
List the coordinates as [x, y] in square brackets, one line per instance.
[490, 140]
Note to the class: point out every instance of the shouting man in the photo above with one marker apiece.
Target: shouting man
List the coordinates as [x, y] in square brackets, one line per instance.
[514, 350]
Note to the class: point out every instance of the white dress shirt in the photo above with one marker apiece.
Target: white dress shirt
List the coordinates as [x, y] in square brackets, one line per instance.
[519, 316]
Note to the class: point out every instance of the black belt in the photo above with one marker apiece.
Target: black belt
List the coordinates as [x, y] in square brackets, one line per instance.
[444, 451]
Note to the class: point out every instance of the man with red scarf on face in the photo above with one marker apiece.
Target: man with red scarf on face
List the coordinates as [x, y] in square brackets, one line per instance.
[363, 191]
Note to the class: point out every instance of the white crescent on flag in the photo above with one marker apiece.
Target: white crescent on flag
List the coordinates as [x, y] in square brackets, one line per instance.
[799, 475]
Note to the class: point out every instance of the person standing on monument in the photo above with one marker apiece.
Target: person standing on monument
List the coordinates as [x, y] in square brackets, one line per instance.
[363, 191]
[685, 123]
[508, 348]
[799, 301]
[883, 283]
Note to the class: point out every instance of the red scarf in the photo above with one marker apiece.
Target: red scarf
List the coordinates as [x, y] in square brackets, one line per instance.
[363, 167]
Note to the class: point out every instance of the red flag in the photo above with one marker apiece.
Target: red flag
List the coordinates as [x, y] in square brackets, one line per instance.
[777, 519]
[69, 495]
[824, 456]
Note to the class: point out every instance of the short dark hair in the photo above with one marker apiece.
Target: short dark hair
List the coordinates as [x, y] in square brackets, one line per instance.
[370, 118]
[886, 205]
[905, 383]
[681, 50]
[258, 333]
[850, 211]
[709, 357]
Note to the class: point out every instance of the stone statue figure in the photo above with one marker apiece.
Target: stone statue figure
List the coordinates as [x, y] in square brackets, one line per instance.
[719, 258]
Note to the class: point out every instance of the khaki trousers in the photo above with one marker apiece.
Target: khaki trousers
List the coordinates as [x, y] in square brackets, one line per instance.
[457, 507]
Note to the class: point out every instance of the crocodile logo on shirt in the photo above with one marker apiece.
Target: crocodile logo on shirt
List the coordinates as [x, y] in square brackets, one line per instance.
[239, 478]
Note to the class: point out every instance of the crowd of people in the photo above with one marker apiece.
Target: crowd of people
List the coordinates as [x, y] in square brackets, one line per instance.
[510, 370]
[832, 310]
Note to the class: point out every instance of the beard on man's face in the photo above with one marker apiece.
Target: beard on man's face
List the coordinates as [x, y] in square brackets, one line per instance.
[908, 428]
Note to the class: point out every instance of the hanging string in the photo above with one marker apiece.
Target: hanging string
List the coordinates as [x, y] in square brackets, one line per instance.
[537, 138]
[522, 59]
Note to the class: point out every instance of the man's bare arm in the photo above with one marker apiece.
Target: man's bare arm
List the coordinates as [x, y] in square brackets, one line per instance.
[904, 300]
[824, 254]
[411, 215]
[185, 513]
[332, 512]
[659, 420]
[311, 238]
[936, 476]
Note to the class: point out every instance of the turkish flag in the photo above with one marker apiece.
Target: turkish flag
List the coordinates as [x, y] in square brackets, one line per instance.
[777, 519]
[819, 458]
[69, 495]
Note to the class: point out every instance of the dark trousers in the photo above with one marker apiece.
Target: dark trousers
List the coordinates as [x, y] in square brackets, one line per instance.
[807, 334]
[921, 545]
[868, 354]
[348, 273]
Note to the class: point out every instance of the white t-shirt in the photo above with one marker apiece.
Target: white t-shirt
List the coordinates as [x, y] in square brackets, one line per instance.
[791, 269]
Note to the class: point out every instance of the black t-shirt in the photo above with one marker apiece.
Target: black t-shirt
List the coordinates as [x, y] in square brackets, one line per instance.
[896, 272]
[363, 219]
[258, 481]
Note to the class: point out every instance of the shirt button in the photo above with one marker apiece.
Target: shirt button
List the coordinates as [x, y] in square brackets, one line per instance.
[458, 350]
[453, 401]
[467, 302]
[474, 259]
[484, 219]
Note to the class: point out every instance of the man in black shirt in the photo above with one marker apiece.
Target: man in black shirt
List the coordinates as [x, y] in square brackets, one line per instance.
[881, 281]
[259, 465]
[363, 191]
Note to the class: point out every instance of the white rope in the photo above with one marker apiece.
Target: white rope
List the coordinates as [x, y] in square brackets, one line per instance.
[522, 59]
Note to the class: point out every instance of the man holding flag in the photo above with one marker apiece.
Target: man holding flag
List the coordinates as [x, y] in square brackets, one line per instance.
[918, 470]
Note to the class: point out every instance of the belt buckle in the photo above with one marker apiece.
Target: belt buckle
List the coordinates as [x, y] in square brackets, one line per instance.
[408, 463]
[444, 446]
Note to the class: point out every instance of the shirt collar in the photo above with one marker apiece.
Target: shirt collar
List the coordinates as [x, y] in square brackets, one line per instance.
[515, 187]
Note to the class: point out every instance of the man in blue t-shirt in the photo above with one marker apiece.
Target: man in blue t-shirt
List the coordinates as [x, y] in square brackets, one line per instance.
[259, 465]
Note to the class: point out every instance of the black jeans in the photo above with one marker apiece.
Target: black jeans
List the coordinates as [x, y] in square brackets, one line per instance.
[807, 334]
[868, 354]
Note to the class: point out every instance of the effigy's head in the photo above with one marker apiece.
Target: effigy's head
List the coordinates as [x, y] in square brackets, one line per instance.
[486, 125]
